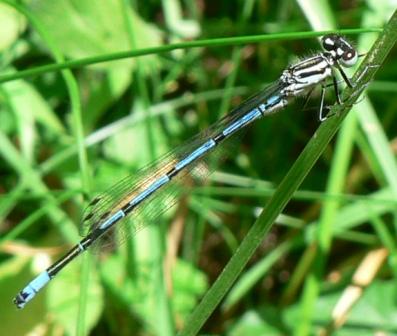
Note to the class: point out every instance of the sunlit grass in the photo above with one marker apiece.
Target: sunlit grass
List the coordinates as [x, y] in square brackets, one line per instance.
[64, 136]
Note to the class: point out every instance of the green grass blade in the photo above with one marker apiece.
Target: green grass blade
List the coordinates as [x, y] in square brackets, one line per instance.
[73, 91]
[216, 42]
[293, 179]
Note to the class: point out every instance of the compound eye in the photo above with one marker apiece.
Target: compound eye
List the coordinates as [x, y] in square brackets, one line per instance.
[349, 58]
[330, 42]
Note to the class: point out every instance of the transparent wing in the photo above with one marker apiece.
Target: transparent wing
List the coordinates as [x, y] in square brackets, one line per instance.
[155, 205]
[110, 201]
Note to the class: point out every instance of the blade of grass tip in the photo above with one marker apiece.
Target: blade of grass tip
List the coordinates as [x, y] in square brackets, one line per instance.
[293, 179]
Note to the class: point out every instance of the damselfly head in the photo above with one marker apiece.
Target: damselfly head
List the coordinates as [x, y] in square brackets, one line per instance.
[340, 49]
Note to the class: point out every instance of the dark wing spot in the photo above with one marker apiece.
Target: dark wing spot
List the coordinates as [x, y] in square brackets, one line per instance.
[94, 201]
[88, 216]
[104, 215]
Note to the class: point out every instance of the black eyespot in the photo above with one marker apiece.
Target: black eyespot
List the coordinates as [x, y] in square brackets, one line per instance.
[349, 55]
[330, 42]
[349, 58]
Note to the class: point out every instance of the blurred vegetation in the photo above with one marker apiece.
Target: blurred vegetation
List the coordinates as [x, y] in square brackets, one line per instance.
[67, 135]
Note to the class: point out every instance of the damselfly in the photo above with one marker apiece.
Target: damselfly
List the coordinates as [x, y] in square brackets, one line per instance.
[133, 196]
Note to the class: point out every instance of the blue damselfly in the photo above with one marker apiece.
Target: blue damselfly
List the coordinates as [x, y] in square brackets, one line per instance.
[133, 195]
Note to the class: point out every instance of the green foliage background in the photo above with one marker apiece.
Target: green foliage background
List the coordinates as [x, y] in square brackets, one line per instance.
[67, 135]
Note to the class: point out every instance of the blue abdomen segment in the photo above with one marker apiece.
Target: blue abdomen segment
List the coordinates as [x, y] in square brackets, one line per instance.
[113, 219]
[195, 154]
[240, 123]
[151, 189]
[29, 292]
